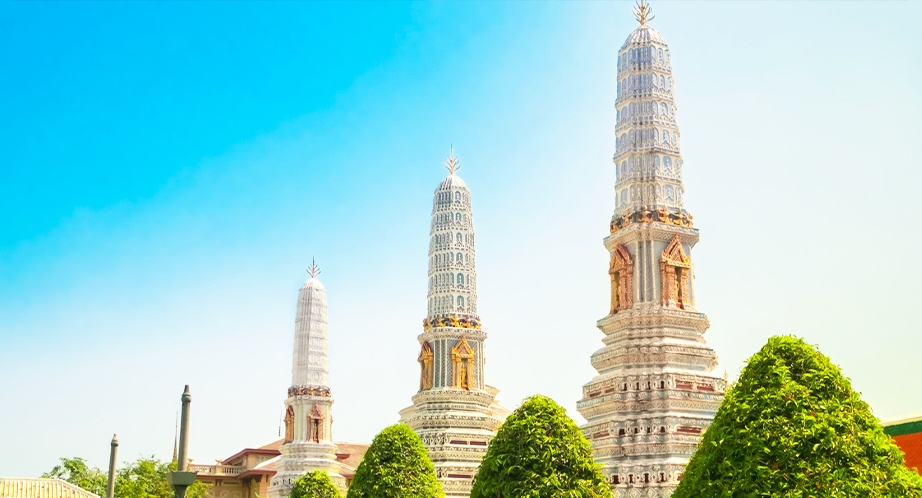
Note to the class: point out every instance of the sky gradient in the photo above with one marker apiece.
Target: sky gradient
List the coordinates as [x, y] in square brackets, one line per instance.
[168, 171]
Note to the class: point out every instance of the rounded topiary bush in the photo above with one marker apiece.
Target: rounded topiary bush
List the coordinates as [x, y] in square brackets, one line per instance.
[316, 484]
[539, 452]
[792, 426]
[396, 466]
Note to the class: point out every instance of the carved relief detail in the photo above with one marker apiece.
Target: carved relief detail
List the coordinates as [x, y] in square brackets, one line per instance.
[289, 424]
[674, 266]
[315, 424]
[308, 391]
[462, 360]
[463, 322]
[425, 365]
[683, 219]
[621, 270]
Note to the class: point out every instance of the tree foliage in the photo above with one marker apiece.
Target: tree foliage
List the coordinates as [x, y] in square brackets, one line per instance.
[78, 473]
[143, 478]
[791, 427]
[396, 466]
[146, 478]
[539, 452]
[316, 484]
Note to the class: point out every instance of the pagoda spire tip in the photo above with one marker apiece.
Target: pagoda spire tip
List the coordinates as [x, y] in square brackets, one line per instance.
[314, 270]
[642, 12]
[451, 163]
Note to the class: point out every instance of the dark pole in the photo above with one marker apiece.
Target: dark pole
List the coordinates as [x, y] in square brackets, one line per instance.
[110, 490]
[181, 478]
[184, 430]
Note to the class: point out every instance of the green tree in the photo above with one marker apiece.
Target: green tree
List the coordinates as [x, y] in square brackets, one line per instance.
[539, 452]
[146, 478]
[316, 484]
[78, 473]
[396, 466]
[791, 427]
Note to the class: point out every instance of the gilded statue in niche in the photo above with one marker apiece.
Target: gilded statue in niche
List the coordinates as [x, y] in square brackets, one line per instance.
[462, 359]
[621, 270]
[425, 366]
[674, 270]
[315, 424]
[289, 424]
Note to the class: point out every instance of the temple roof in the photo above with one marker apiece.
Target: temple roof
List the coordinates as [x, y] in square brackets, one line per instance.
[41, 488]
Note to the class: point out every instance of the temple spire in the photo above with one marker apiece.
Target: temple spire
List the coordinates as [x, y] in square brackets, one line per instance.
[642, 12]
[656, 392]
[453, 404]
[308, 444]
[310, 361]
[451, 163]
[176, 439]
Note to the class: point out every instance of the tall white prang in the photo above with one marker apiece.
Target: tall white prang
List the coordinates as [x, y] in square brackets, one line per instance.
[454, 411]
[308, 442]
[655, 392]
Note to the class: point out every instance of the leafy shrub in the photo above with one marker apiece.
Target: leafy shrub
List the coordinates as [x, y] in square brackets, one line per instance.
[396, 466]
[792, 426]
[539, 452]
[78, 473]
[316, 484]
[143, 478]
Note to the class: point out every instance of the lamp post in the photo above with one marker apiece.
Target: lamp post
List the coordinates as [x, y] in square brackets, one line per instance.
[180, 479]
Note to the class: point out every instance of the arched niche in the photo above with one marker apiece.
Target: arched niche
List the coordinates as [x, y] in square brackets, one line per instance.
[621, 270]
[674, 271]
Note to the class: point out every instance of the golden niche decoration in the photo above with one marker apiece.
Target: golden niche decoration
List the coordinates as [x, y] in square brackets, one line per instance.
[315, 423]
[674, 268]
[621, 270]
[462, 360]
[425, 366]
[289, 424]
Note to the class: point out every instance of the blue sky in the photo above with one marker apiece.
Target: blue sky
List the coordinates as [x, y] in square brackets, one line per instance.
[169, 169]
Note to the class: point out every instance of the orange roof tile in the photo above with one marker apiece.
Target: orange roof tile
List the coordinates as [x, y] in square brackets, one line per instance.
[350, 455]
[911, 445]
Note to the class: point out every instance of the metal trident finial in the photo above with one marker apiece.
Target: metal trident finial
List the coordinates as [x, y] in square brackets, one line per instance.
[314, 270]
[642, 11]
[451, 163]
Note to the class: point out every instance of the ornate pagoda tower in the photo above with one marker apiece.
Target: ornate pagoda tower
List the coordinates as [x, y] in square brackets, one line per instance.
[655, 392]
[455, 413]
[308, 442]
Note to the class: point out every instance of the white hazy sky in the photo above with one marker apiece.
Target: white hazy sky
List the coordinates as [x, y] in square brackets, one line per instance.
[799, 125]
